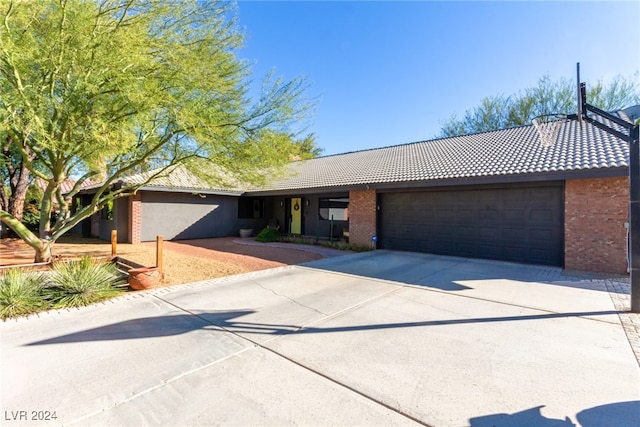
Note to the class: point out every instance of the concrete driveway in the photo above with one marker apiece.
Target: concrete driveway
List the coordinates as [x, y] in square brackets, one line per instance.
[379, 338]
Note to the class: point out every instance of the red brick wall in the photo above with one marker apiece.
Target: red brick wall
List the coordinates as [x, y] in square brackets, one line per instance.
[595, 213]
[362, 217]
[135, 214]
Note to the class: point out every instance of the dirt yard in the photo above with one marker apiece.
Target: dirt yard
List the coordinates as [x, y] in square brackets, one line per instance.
[183, 261]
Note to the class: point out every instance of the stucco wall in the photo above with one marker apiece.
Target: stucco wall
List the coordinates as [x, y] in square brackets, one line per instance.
[596, 211]
[319, 227]
[187, 216]
[119, 222]
[362, 217]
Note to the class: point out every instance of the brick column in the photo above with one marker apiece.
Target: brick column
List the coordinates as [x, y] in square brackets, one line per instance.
[135, 215]
[362, 217]
[595, 211]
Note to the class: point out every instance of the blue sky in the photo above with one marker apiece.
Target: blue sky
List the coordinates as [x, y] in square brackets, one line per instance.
[388, 73]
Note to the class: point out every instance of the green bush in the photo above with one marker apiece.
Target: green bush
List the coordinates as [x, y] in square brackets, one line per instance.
[20, 293]
[268, 235]
[298, 240]
[83, 282]
[343, 246]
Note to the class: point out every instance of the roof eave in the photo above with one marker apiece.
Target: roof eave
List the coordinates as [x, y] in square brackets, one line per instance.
[218, 192]
[608, 172]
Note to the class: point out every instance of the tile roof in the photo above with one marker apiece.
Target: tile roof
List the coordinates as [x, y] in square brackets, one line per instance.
[179, 177]
[66, 186]
[501, 156]
[502, 153]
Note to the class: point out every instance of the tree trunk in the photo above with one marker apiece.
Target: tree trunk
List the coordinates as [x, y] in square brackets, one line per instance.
[18, 175]
[18, 196]
[42, 247]
[43, 252]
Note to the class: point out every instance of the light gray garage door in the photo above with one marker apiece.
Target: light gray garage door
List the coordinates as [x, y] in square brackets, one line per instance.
[516, 223]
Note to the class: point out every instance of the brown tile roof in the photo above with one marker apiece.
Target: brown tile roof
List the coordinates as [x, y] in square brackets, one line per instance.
[179, 177]
[65, 187]
[500, 154]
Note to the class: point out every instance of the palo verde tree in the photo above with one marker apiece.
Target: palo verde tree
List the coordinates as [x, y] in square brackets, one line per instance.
[96, 90]
[548, 97]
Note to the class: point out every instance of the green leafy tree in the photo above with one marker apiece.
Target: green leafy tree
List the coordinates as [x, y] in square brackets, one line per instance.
[96, 90]
[306, 148]
[548, 97]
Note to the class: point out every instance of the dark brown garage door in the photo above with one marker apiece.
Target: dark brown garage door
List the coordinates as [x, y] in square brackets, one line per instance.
[519, 223]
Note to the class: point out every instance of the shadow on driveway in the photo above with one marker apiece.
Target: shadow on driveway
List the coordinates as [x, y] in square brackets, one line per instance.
[619, 413]
[449, 273]
[527, 418]
[160, 326]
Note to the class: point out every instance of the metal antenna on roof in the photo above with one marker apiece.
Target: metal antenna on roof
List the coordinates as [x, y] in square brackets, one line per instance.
[581, 95]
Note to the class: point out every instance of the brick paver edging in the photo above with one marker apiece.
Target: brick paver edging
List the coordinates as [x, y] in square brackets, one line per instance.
[620, 294]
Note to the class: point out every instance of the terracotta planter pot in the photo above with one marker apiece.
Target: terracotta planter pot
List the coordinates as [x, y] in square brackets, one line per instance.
[143, 278]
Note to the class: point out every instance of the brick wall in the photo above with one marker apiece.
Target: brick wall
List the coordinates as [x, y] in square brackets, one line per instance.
[135, 216]
[595, 213]
[362, 217]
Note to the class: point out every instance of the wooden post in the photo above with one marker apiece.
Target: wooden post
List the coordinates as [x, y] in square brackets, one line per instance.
[114, 243]
[159, 254]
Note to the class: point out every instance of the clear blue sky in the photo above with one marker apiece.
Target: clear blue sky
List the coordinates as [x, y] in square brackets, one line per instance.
[388, 73]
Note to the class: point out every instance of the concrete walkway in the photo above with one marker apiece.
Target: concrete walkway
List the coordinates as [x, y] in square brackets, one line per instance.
[317, 249]
[378, 338]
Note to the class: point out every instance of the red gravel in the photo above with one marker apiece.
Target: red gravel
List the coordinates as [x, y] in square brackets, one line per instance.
[183, 261]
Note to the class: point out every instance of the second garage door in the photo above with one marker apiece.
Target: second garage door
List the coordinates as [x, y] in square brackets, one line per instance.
[516, 223]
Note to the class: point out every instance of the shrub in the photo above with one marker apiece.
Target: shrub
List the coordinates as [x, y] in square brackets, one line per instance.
[268, 235]
[20, 293]
[343, 246]
[83, 282]
[298, 240]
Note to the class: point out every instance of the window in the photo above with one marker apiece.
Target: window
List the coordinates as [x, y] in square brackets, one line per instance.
[334, 208]
[250, 207]
[107, 211]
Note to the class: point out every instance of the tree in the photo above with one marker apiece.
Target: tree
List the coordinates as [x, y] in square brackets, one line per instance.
[548, 97]
[307, 148]
[13, 172]
[96, 90]
[288, 144]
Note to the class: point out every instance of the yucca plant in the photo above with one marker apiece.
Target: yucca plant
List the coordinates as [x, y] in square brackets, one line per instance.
[20, 293]
[83, 282]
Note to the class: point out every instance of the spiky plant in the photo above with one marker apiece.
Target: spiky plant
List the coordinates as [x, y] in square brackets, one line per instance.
[83, 282]
[20, 293]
